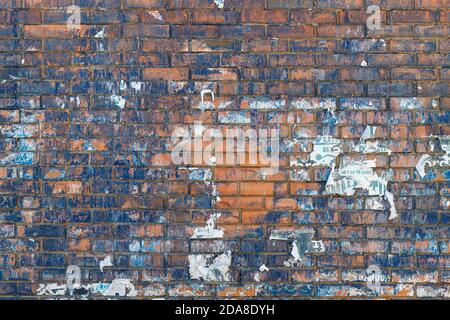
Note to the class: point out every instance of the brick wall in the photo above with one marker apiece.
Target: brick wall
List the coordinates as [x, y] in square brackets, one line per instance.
[92, 204]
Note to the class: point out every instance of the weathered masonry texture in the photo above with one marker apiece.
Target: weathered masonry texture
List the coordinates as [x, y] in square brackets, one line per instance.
[92, 205]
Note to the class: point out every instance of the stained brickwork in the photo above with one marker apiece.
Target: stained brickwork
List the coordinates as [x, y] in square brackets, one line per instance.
[93, 205]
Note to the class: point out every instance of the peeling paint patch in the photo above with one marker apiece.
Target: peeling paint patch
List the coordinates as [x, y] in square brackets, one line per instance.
[119, 101]
[107, 262]
[263, 268]
[210, 267]
[206, 176]
[299, 175]
[375, 203]
[207, 105]
[156, 14]
[210, 231]
[410, 104]
[234, 117]
[263, 103]
[445, 203]
[430, 291]
[361, 103]
[100, 34]
[219, 3]
[136, 85]
[302, 243]
[315, 104]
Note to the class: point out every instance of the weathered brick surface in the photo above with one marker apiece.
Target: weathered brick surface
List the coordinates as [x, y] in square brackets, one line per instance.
[87, 178]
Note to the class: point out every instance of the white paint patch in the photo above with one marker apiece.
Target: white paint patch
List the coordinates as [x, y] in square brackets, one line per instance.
[219, 3]
[210, 267]
[445, 203]
[156, 14]
[206, 105]
[119, 101]
[210, 231]
[100, 34]
[375, 203]
[263, 268]
[136, 85]
[315, 104]
[123, 85]
[51, 289]
[107, 262]
[76, 100]
[134, 246]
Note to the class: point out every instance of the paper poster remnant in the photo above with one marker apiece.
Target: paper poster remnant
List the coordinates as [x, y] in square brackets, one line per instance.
[374, 277]
[325, 151]
[359, 175]
[73, 288]
[302, 243]
[433, 161]
[370, 146]
[117, 288]
[375, 203]
[210, 231]
[210, 267]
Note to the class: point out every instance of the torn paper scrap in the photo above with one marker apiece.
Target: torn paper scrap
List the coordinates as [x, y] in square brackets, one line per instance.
[370, 146]
[302, 243]
[325, 151]
[210, 267]
[360, 175]
[433, 161]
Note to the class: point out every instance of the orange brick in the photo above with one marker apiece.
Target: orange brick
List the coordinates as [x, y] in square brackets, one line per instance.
[256, 188]
[240, 203]
[166, 73]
